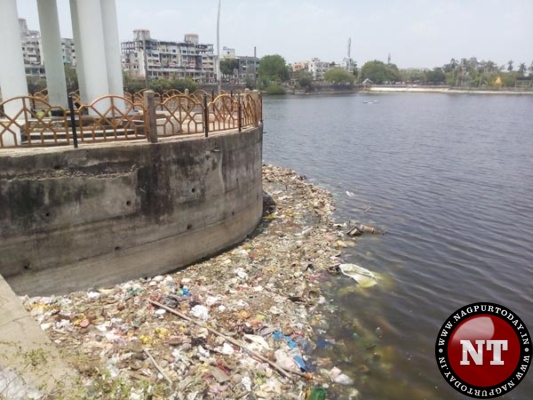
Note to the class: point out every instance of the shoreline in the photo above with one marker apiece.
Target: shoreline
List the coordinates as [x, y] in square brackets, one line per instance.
[378, 89]
[265, 293]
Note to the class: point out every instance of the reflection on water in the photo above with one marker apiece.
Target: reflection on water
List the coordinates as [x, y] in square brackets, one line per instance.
[450, 179]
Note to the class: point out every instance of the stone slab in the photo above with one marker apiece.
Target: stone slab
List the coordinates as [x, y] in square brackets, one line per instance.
[30, 365]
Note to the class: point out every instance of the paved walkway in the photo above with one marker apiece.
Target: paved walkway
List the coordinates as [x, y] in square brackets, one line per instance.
[30, 364]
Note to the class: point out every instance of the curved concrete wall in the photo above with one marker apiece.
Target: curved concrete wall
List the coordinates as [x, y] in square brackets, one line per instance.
[72, 219]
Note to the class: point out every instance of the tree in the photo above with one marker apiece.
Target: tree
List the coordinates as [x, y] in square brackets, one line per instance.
[379, 72]
[228, 65]
[435, 77]
[490, 66]
[412, 76]
[355, 70]
[272, 69]
[522, 69]
[305, 80]
[249, 83]
[509, 79]
[35, 84]
[510, 65]
[339, 76]
[72, 78]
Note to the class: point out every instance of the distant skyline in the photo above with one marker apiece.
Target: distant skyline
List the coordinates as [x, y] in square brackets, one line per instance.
[416, 33]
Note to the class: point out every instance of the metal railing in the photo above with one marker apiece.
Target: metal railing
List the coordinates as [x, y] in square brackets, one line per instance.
[30, 121]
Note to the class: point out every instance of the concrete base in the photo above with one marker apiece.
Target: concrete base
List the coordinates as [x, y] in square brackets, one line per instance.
[73, 219]
[30, 365]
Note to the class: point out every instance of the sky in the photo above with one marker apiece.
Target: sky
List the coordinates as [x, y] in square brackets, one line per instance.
[416, 33]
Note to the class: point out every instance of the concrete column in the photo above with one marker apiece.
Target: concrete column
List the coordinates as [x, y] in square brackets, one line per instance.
[12, 73]
[79, 50]
[112, 47]
[92, 41]
[53, 56]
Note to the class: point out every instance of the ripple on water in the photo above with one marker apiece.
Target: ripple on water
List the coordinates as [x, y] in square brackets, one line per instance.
[450, 179]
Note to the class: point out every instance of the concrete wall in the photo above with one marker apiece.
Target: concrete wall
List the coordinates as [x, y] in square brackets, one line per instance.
[72, 219]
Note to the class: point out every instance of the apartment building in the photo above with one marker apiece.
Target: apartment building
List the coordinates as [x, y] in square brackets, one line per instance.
[145, 56]
[31, 42]
[318, 68]
[247, 66]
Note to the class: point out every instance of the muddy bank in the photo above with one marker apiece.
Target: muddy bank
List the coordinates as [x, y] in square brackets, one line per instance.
[242, 324]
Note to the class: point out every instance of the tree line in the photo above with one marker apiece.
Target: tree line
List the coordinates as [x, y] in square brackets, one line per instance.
[467, 73]
[274, 73]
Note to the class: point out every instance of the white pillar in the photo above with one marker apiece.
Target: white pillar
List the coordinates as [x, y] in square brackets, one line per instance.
[12, 72]
[53, 56]
[92, 41]
[112, 47]
[79, 50]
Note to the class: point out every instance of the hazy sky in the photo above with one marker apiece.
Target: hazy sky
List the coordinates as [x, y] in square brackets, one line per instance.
[417, 33]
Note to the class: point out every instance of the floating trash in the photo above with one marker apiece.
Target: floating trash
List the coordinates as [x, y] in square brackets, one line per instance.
[247, 312]
[362, 276]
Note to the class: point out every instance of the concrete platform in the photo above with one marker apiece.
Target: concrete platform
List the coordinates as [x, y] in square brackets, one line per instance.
[30, 364]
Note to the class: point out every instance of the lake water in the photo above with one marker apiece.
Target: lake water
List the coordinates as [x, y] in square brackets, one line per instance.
[450, 179]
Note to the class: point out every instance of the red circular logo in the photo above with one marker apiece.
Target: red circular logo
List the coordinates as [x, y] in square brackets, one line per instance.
[483, 350]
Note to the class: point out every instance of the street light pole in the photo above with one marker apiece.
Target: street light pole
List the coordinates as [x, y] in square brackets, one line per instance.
[219, 75]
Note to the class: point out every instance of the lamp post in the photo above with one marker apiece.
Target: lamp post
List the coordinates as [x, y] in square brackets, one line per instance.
[219, 75]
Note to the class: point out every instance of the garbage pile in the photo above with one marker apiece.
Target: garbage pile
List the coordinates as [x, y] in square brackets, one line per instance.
[239, 325]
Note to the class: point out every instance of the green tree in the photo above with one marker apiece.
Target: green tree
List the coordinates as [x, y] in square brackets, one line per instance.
[304, 80]
[182, 84]
[490, 66]
[379, 72]
[275, 89]
[339, 76]
[249, 83]
[228, 65]
[522, 69]
[72, 78]
[355, 70]
[35, 84]
[273, 69]
[435, 77]
[160, 85]
[509, 79]
[412, 76]
[510, 65]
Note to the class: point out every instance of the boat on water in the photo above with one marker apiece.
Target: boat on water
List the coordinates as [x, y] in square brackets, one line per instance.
[371, 101]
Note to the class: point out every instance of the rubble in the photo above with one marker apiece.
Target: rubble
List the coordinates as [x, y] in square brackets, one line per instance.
[242, 323]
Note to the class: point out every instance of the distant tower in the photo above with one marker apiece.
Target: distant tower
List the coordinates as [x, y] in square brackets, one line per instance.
[349, 47]
[388, 59]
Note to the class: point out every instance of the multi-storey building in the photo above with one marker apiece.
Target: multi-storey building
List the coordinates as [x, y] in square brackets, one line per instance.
[228, 52]
[318, 68]
[32, 50]
[146, 57]
[247, 66]
[300, 66]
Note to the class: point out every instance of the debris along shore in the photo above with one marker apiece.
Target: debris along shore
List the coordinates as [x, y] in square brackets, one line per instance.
[239, 325]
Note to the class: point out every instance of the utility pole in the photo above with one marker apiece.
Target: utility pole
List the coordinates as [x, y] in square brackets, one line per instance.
[219, 76]
[255, 67]
[145, 59]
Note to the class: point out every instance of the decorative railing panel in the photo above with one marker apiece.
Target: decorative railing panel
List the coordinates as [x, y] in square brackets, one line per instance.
[111, 118]
[33, 123]
[248, 111]
[223, 113]
[30, 121]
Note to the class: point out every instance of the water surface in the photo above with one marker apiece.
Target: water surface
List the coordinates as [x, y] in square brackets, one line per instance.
[450, 178]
